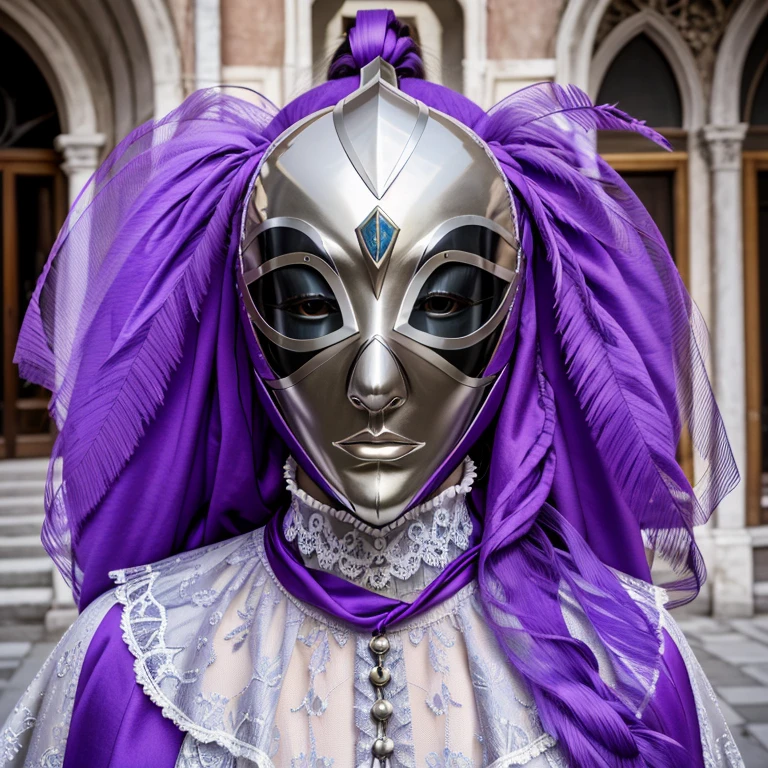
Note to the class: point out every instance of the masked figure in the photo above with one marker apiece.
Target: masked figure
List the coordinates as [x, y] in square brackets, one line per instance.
[369, 410]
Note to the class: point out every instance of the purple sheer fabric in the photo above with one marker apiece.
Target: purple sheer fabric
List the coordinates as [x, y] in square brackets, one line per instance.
[136, 308]
[164, 444]
[673, 709]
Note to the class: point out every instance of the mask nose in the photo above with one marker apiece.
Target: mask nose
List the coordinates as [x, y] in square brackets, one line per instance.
[377, 382]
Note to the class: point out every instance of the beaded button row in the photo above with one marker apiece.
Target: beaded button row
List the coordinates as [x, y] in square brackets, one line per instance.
[382, 709]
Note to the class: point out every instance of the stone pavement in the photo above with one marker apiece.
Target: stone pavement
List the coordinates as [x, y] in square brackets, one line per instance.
[733, 653]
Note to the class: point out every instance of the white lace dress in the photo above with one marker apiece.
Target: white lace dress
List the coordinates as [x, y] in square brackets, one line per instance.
[256, 678]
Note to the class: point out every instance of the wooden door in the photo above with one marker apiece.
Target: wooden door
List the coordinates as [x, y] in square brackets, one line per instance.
[756, 329]
[33, 205]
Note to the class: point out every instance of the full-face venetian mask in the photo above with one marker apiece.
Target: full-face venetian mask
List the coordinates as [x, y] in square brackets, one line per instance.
[379, 265]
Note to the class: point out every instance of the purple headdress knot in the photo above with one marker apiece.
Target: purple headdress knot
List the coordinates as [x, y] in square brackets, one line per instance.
[377, 33]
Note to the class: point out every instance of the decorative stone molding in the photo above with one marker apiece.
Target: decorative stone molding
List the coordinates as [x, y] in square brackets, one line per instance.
[701, 24]
[505, 76]
[723, 146]
[81, 151]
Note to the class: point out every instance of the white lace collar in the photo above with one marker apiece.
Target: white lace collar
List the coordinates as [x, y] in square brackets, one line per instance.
[398, 560]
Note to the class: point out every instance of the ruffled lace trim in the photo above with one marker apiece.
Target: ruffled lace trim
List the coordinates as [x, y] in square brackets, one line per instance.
[461, 489]
[144, 623]
[439, 534]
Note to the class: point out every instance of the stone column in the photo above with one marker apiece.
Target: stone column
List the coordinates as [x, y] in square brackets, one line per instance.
[207, 43]
[82, 153]
[297, 62]
[732, 574]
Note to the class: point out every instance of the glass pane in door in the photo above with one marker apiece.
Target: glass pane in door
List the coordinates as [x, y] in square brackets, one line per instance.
[36, 231]
[656, 192]
[762, 249]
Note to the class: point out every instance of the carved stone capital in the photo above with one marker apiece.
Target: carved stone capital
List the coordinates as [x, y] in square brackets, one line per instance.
[81, 151]
[723, 145]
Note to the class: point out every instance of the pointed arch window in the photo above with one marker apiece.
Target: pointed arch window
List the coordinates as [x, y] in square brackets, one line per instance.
[642, 83]
[754, 83]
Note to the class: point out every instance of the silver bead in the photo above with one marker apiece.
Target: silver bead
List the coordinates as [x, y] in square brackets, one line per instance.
[379, 645]
[379, 676]
[383, 748]
[382, 709]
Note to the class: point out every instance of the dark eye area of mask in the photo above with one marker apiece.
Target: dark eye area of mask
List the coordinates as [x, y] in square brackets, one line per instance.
[441, 305]
[457, 300]
[297, 302]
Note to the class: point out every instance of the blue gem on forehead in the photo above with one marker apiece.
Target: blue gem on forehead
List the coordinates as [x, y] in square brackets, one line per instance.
[377, 235]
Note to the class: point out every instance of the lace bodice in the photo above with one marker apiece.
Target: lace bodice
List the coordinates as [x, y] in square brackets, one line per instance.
[398, 560]
[258, 679]
[234, 659]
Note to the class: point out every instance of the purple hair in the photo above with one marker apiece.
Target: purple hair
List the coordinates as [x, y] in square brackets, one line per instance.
[135, 327]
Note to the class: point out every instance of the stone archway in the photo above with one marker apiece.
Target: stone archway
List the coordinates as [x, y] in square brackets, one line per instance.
[576, 41]
[99, 104]
[675, 51]
[81, 141]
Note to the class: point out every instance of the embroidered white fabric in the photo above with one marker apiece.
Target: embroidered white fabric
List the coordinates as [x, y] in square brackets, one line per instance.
[236, 662]
[258, 679]
[35, 733]
[399, 560]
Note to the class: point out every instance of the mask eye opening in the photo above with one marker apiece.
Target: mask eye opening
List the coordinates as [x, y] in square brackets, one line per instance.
[282, 236]
[271, 302]
[489, 291]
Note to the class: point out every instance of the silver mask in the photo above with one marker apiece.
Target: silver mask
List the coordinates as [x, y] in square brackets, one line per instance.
[379, 265]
